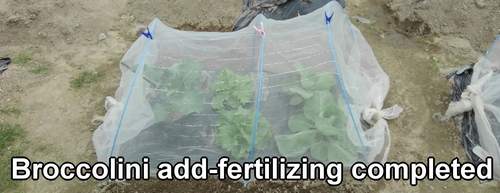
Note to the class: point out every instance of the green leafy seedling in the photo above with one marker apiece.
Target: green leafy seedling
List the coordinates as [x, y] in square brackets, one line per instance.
[233, 92]
[179, 87]
[235, 132]
[232, 89]
[320, 127]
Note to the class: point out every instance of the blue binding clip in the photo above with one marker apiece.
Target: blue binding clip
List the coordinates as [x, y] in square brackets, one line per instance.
[147, 33]
[328, 19]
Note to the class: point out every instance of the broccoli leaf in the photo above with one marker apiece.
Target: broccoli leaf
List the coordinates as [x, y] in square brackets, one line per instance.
[326, 127]
[153, 74]
[295, 100]
[161, 111]
[340, 154]
[180, 84]
[319, 151]
[287, 84]
[232, 92]
[264, 131]
[307, 82]
[304, 73]
[299, 123]
[305, 94]
[185, 74]
[320, 128]
[324, 81]
[306, 77]
[241, 122]
[218, 100]
[236, 89]
[297, 144]
[318, 104]
[225, 137]
[188, 102]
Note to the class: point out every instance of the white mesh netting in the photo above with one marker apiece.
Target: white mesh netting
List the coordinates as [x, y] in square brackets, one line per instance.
[482, 96]
[198, 94]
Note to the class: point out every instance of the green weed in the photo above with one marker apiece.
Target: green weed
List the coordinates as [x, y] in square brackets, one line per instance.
[85, 79]
[15, 111]
[22, 59]
[9, 133]
[40, 69]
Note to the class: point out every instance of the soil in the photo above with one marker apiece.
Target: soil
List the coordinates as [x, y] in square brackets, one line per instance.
[473, 20]
[416, 42]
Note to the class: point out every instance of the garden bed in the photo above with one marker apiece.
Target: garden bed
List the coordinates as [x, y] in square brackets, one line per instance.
[298, 116]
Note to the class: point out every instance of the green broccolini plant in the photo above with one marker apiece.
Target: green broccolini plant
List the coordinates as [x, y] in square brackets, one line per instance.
[178, 88]
[233, 94]
[320, 127]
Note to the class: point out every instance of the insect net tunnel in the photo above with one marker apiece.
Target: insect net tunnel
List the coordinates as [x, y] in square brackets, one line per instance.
[308, 86]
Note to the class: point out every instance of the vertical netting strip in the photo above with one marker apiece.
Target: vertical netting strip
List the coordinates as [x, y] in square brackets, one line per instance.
[332, 47]
[259, 90]
[139, 67]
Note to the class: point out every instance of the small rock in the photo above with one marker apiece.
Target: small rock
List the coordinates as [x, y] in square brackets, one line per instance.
[65, 31]
[42, 35]
[431, 187]
[445, 30]
[131, 18]
[444, 187]
[13, 19]
[102, 36]
[382, 35]
[480, 4]
[458, 43]
[423, 5]
[362, 20]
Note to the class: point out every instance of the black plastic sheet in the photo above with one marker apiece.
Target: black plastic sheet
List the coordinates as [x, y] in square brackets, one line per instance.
[3, 64]
[278, 9]
[468, 129]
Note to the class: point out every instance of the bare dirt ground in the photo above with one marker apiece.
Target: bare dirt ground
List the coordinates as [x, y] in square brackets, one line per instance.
[54, 41]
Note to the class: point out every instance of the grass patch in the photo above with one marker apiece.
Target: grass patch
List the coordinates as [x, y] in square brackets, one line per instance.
[434, 63]
[22, 59]
[113, 74]
[25, 57]
[10, 111]
[39, 69]
[85, 79]
[9, 133]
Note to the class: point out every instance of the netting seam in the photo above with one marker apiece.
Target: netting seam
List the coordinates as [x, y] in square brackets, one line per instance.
[130, 90]
[492, 46]
[342, 83]
[259, 90]
[253, 49]
[349, 22]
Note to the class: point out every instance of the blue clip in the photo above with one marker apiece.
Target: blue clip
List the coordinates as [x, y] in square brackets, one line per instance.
[328, 18]
[147, 33]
